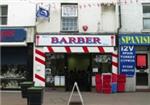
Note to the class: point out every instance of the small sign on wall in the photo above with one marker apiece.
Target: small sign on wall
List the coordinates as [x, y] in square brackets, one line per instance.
[95, 70]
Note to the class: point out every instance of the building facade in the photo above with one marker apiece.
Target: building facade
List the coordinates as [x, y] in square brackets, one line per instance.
[73, 40]
[16, 35]
[135, 25]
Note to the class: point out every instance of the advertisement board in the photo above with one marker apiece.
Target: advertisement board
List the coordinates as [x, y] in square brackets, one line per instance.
[127, 60]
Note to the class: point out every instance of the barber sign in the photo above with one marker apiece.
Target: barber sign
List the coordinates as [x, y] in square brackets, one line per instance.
[75, 40]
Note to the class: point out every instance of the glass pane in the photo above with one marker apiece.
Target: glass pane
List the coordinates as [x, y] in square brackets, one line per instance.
[146, 9]
[69, 10]
[146, 23]
[4, 10]
[102, 63]
[146, 15]
[3, 20]
[71, 24]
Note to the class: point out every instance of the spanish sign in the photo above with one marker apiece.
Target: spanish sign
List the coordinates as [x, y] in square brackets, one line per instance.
[135, 39]
[127, 60]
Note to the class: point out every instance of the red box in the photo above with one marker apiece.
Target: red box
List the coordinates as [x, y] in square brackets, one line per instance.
[107, 90]
[98, 78]
[114, 77]
[107, 78]
[99, 88]
[121, 78]
[121, 87]
[106, 85]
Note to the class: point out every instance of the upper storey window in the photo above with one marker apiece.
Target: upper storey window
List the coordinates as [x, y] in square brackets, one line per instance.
[69, 17]
[3, 14]
[146, 16]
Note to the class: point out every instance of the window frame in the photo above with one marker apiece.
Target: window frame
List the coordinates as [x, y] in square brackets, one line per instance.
[61, 23]
[144, 16]
[4, 16]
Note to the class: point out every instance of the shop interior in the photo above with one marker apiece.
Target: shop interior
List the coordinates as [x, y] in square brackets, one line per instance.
[77, 67]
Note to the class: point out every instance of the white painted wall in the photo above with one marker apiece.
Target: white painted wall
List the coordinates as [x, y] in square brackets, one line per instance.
[87, 15]
[20, 13]
[131, 17]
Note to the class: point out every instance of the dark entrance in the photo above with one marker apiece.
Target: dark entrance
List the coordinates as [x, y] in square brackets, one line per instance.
[142, 79]
[79, 71]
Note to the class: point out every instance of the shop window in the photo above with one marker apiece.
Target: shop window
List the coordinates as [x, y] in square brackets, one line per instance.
[102, 63]
[3, 14]
[146, 16]
[69, 17]
[141, 61]
[55, 63]
[13, 67]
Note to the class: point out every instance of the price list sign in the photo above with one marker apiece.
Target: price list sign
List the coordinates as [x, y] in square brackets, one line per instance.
[127, 60]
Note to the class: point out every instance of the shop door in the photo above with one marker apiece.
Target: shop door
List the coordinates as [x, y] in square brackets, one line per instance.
[142, 71]
[78, 71]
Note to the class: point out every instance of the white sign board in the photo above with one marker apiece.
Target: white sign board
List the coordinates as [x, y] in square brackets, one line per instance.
[75, 40]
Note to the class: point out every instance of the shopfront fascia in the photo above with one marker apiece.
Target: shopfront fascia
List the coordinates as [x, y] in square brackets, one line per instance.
[14, 57]
[84, 44]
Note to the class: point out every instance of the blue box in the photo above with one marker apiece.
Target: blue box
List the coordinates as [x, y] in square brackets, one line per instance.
[114, 87]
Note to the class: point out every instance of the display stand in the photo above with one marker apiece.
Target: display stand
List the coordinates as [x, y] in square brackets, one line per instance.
[79, 93]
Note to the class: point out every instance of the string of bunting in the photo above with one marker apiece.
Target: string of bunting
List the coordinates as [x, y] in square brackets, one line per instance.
[54, 5]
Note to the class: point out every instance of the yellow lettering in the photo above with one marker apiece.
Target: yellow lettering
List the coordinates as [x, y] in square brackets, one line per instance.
[123, 39]
[137, 39]
[145, 39]
[127, 39]
[132, 39]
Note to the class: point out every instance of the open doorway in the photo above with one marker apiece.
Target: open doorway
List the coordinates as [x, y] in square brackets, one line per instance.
[79, 71]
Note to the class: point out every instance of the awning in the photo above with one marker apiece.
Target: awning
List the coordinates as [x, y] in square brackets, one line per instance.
[83, 49]
[13, 44]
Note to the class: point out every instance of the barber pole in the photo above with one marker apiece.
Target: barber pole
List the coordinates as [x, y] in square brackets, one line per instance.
[39, 67]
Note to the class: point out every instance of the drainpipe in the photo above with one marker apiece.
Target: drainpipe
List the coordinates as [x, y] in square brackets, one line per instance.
[119, 11]
[120, 24]
[118, 30]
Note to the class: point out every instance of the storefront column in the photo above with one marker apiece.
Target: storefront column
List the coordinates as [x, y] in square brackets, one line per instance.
[115, 62]
[39, 66]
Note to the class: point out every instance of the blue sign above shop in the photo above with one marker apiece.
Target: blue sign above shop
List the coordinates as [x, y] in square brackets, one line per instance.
[134, 39]
[12, 35]
[127, 60]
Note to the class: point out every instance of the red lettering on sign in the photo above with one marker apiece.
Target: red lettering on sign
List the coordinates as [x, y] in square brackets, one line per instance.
[7, 33]
[63, 40]
[72, 40]
[97, 40]
[54, 40]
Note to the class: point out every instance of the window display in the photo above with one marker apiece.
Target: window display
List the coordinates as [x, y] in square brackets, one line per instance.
[102, 63]
[12, 75]
[54, 69]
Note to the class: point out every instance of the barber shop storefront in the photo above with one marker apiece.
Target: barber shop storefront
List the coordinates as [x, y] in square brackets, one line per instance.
[16, 58]
[60, 60]
[136, 47]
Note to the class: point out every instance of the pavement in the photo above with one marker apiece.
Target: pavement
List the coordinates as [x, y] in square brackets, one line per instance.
[90, 98]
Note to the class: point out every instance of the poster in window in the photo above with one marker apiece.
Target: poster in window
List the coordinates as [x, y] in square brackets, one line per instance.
[141, 61]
